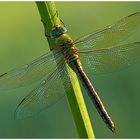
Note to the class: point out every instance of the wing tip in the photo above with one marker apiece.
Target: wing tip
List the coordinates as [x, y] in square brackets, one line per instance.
[16, 113]
[3, 74]
[19, 114]
[136, 42]
[133, 14]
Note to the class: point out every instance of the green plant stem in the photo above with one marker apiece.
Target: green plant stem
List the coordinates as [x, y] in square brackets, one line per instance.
[49, 18]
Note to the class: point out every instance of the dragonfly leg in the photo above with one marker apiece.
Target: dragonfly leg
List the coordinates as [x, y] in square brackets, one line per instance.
[56, 14]
[59, 18]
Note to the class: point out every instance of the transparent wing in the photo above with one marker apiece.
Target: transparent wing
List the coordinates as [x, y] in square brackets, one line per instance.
[29, 73]
[110, 59]
[110, 35]
[46, 94]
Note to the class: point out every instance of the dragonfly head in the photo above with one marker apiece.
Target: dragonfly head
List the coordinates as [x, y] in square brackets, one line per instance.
[58, 31]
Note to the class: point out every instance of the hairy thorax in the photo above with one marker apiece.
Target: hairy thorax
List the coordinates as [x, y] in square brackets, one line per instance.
[66, 45]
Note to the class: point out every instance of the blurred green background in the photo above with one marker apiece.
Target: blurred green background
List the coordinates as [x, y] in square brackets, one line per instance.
[22, 40]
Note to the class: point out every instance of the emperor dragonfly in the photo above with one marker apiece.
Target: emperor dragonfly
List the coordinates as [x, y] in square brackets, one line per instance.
[100, 52]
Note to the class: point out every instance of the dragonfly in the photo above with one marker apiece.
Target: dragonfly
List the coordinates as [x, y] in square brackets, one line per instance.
[102, 51]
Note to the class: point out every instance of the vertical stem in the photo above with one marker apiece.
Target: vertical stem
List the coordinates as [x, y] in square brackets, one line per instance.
[49, 18]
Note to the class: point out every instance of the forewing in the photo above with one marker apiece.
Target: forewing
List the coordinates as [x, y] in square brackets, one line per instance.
[111, 59]
[29, 73]
[46, 94]
[110, 35]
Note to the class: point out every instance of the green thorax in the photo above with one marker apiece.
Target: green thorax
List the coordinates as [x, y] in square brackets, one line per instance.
[65, 43]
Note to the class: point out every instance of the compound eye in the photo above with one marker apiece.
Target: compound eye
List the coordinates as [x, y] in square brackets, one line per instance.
[58, 31]
[52, 34]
